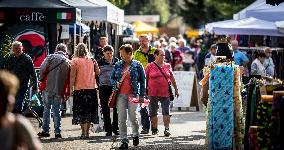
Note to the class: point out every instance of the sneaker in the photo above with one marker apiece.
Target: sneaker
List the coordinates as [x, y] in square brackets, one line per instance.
[82, 136]
[108, 134]
[124, 145]
[145, 131]
[167, 133]
[135, 140]
[155, 131]
[58, 136]
[43, 134]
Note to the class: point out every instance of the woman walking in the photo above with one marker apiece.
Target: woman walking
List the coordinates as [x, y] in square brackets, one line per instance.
[158, 76]
[83, 84]
[106, 65]
[133, 85]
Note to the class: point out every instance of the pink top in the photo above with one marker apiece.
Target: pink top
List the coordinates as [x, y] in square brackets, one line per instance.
[82, 74]
[126, 83]
[157, 84]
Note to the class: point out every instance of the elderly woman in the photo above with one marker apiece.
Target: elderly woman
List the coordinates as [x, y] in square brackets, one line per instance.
[158, 76]
[268, 63]
[257, 67]
[133, 85]
[83, 84]
[16, 132]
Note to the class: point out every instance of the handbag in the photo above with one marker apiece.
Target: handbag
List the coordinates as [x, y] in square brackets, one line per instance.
[172, 97]
[112, 98]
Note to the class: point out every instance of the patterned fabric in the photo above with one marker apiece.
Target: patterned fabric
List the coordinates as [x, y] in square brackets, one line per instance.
[85, 104]
[221, 108]
[264, 124]
[277, 122]
[238, 112]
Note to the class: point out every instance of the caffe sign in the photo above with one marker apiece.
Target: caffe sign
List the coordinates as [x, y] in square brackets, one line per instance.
[31, 16]
[39, 15]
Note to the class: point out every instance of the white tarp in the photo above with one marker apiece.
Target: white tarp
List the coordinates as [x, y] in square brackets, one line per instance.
[270, 13]
[280, 26]
[248, 26]
[260, 10]
[209, 27]
[100, 10]
[242, 14]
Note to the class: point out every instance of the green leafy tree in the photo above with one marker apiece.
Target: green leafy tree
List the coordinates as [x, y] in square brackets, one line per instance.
[149, 7]
[119, 3]
[199, 12]
[193, 12]
[5, 49]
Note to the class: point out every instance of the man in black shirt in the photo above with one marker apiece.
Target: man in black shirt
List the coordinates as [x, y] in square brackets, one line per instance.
[22, 66]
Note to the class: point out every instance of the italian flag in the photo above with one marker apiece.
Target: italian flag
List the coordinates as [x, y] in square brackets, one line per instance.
[64, 15]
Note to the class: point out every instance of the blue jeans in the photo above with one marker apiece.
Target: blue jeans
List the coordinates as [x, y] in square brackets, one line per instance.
[53, 101]
[145, 120]
[20, 97]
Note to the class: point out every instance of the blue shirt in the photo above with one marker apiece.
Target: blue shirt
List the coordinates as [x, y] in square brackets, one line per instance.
[240, 57]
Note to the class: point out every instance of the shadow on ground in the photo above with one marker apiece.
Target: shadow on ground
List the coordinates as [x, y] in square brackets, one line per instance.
[173, 143]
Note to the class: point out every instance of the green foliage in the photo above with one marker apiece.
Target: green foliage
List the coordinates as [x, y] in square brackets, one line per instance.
[119, 3]
[149, 7]
[157, 7]
[5, 49]
[199, 12]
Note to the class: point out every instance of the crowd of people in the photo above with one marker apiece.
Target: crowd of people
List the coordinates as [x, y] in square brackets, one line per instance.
[145, 73]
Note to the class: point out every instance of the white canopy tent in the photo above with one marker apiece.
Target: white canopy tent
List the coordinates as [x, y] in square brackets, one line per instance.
[248, 26]
[260, 10]
[242, 14]
[280, 26]
[100, 10]
[209, 27]
[270, 13]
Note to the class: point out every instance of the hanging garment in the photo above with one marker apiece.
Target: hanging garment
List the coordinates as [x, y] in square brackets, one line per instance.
[264, 124]
[238, 112]
[222, 107]
[277, 118]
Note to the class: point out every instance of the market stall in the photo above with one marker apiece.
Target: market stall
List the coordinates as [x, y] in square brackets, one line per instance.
[34, 23]
[103, 18]
[144, 28]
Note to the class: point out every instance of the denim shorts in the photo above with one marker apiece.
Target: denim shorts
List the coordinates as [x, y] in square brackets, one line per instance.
[154, 106]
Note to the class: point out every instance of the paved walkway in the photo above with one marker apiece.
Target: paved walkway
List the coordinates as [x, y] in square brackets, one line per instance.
[187, 129]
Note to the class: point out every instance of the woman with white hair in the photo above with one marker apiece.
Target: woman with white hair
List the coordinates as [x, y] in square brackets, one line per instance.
[177, 57]
[82, 85]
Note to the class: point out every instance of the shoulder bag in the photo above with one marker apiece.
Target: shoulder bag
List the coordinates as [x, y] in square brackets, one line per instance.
[169, 83]
[112, 98]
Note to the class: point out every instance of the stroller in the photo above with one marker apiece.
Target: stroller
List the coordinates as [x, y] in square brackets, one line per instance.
[33, 105]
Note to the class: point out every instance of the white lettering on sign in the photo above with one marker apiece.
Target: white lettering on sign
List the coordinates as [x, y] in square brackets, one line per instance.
[34, 16]
[185, 83]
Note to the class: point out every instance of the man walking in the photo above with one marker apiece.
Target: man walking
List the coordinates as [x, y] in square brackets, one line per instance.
[22, 66]
[145, 54]
[55, 70]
